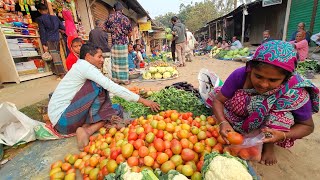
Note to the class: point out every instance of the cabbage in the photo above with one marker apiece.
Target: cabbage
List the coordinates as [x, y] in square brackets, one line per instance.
[236, 51]
[166, 75]
[146, 75]
[161, 69]
[230, 53]
[152, 70]
[246, 49]
[169, 69]
[174, 72]
[157, 76]
[169, 37]
[168, 30]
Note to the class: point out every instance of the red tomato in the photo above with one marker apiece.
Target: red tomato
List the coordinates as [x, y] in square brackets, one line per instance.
[215, 134]
[133, 161]
[235, 138]
[132, 136]
[159, 145]
[138, 143]
[160, 134]
[244, 154]
[142, 136]
[185, 116]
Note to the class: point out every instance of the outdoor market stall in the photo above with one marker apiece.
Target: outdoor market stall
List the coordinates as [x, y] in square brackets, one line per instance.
[173, 144]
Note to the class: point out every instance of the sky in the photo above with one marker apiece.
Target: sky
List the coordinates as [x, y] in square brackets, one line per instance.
[161, 7]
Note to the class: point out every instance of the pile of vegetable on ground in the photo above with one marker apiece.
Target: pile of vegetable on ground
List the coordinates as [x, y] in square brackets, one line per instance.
[169, 145]
[171, 98]
[229, 54]
[160, 73]
[308, 68]
[186, 87]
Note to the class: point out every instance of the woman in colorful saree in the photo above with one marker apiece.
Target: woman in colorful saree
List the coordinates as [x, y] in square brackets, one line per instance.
[268, 95]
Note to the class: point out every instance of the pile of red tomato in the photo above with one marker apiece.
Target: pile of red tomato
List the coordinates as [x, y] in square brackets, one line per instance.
[169, 140]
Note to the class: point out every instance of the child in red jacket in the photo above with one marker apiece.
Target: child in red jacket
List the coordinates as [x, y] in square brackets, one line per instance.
[74, 44]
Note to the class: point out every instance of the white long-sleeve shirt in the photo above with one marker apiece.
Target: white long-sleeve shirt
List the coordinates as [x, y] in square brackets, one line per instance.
[72, 83]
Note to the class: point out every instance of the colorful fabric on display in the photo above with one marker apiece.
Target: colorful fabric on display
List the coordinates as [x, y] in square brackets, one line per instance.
[120, 63]
[278, 53]
[119, 26]
[90, 105]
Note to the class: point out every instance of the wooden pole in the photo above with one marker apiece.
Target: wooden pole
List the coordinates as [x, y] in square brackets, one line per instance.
[243, 25]
[313, 16]
[286, 21]
[217, 30]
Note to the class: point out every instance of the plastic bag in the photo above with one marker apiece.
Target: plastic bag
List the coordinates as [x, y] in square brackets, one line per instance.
[46, 56]
[251, 147]
[15, 127]
[207, 82]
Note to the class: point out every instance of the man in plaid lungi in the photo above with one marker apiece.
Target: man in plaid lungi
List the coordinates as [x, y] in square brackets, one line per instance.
[119, 26]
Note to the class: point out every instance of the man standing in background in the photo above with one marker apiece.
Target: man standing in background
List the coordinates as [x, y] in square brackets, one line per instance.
[179, 30]
[99, 37]
[120, 27]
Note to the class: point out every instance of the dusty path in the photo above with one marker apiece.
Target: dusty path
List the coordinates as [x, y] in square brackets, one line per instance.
[300, 162]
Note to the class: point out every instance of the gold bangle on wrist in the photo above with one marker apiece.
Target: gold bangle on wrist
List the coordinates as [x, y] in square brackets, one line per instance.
[285, 137]
[222, 122]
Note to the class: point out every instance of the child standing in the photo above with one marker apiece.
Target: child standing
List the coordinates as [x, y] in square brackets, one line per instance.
[74, 46]
[131, 57]
[139, 59]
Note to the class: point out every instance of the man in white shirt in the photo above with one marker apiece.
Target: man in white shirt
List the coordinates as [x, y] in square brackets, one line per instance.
[81, 101]
[236, 44]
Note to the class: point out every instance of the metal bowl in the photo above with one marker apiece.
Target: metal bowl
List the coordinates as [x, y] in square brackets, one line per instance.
[134, 76]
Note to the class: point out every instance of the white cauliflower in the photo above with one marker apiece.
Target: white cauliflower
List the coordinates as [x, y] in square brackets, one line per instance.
[225, 166]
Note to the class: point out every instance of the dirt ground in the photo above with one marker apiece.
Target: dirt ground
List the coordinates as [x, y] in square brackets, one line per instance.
[299, 162]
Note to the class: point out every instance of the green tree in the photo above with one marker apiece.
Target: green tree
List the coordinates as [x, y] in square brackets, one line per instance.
[196, 15]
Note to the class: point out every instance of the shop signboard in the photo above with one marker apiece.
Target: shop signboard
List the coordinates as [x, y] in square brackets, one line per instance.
[266, 3]
[145, 26]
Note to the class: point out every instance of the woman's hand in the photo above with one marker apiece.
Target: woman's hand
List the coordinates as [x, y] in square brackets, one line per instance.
[225, 128]
[155, 107]
[276, 136]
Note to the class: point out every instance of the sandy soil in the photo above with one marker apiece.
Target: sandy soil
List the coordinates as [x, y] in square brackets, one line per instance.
[299, 162]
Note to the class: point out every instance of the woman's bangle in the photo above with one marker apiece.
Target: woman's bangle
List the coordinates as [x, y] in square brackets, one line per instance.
[222, 122]
[284, 135]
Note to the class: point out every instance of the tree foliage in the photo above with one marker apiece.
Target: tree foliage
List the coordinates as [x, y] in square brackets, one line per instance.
[196, 15]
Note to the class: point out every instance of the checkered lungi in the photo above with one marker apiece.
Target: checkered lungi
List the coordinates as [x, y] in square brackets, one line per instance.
[119, 63]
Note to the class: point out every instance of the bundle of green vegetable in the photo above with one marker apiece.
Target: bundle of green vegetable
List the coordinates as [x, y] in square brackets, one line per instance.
[179, 100]
[307, 65]
[136, 109]
[169, 99]
[224, 166]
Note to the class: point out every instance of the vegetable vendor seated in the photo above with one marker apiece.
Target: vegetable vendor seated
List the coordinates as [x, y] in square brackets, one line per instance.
[268, 95]
[81, 104]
